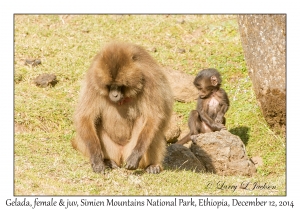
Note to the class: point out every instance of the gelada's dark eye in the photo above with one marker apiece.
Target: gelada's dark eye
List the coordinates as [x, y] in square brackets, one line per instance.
[134, 57]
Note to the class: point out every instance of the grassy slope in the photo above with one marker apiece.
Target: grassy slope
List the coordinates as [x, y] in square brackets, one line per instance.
[45, 163]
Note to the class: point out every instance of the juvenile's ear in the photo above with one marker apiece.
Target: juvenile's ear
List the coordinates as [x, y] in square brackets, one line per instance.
[214, 80]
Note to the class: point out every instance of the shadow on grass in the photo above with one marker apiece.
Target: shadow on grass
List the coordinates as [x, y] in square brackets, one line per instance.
[242, 132]
[181, 158]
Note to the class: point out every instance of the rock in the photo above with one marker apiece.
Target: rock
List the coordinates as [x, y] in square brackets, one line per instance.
[179, 157]
[181, 21]
[44, 80]
[222, 153]
[153, 49]
[33, 62]
[182, 85]
[173, 130]
[18, 78]
[258, 161]
[19, 128]
[264, 43]
[180, 50]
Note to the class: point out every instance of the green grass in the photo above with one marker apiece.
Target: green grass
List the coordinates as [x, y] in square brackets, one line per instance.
[46, 164]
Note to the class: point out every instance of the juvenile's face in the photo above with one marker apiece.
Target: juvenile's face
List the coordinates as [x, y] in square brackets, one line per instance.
[204, 86]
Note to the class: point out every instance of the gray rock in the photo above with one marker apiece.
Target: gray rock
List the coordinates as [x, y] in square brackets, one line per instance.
[258, 161]
[222, 153]
[182, 85]
[33, 62]
[179, 157]
[45, 80]
[173, 130]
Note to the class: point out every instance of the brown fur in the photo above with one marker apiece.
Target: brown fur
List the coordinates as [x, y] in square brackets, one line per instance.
[212, 105]
[131, 130]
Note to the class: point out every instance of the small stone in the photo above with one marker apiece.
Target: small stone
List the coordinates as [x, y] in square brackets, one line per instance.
[258, 161]
[182, 21]
[154, 49]
[45, 80]
[181, 50]
[33, 62]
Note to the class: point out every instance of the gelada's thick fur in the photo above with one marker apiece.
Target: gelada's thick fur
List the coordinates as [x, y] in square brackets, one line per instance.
[129, 130]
